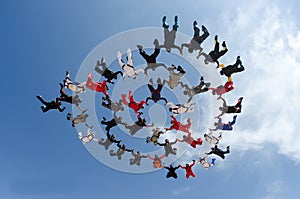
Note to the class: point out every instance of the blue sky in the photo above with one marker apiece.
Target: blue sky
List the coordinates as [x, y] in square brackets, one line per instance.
[41, 155]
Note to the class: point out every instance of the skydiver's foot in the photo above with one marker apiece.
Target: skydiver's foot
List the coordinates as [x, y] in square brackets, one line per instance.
[156, 44]
[195, 23]
[176, 19]
[224, 44]
[204, 29]
[151, 81]
[158, 81]
[165, 25]
[43, 108]
[201, 78]
[241, 99]
[228, 149]
[140, 47]
[216, 38]
[98, 63]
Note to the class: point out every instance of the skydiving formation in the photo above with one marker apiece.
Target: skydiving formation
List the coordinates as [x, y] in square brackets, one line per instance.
[180, 129]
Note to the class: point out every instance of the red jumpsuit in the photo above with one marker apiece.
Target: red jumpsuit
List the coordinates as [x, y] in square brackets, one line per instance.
[190, 140]
[228, 86]
[179, 126]
[133, 104]
[188, 170]
[96, 86]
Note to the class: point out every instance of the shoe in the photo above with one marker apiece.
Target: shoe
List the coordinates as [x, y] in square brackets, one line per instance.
[158, 81]
[140, 47]
[224, 44]
[201, 78]
[151, 81]
[156, 44]
[195, 23]
[204, 29]
[176, 19]
[216, 37]
[98, 63]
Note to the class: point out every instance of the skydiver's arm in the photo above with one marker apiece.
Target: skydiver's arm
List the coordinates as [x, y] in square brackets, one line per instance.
[171, 104]
[178, 48]
[185, 45]
[151, 158]
[139, 70]
[181, 140]
[160, 144]
[172, 143]
[162, 98]
[148, 98]
[161, 157]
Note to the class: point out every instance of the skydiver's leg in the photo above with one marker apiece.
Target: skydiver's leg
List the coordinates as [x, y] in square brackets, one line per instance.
[165, 25]
[175, 26]
[159, 87]
[120, 61]
[129, 58]
[42, 100]
[233, 121]
[151, 88]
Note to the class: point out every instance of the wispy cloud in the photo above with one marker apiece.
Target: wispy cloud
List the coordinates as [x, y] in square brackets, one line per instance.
[270, 83]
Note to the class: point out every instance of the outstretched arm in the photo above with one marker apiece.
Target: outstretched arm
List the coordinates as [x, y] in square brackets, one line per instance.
[148, 98]
[178, 48]
[162, 98]
[139, 70]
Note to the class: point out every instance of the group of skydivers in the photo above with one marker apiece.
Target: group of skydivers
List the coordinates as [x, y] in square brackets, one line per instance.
[175, 74]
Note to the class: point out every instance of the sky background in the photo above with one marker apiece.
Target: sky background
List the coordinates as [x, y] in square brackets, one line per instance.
[41, 157]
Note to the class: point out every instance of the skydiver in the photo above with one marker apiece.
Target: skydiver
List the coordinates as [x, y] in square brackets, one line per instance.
[97, 86]
[55, 104]
[170, 36]
[200, 88]
[157, 163]
[230, 69]
[121, 150]
[155, 93]
[179, 126]
[224, 126]
[138, 125]
[205, 164]
[215, 150]
[73, 86]
[136, 106]
[113, 106]
[215, 54]
[137, 158]
[90, 136]
[174, 78]
[196, 41]
[168, 147]
[109, 140]
[70, 99]
[188, 170]
[212, 139]
[151, 59]
[128, 68]
[81, 118]
[155, 136]
[181, 108]
[106, 72]
[172, 171]
[237, 108]
[220, 90]
[190, 140]
[113, 122]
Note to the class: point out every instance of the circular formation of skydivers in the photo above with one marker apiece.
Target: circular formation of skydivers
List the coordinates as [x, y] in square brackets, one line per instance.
[213, 137]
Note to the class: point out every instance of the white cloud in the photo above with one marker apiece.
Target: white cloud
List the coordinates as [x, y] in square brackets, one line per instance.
[274, 190]
[270, 51]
